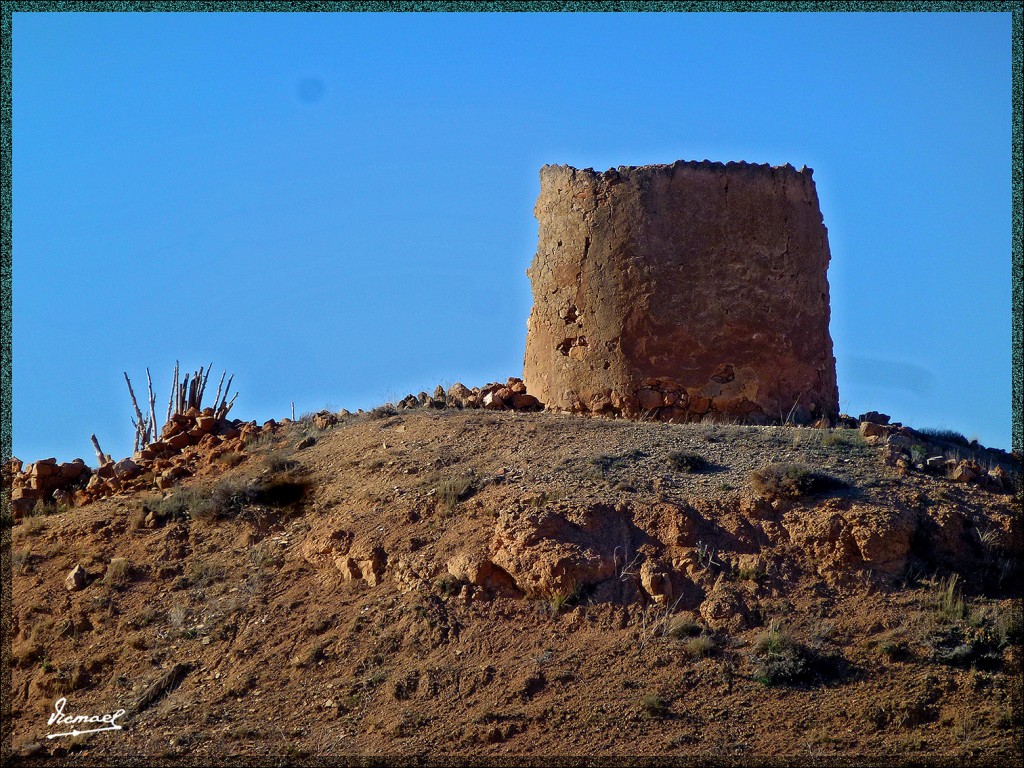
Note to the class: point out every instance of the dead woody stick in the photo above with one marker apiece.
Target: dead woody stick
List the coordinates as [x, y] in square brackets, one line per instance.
[140, 420]
[223, 412]
[174, 390]
[152, 409]
[216, 398]
[101, 458]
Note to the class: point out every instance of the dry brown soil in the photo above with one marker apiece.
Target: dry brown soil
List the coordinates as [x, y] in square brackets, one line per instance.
[334, 625]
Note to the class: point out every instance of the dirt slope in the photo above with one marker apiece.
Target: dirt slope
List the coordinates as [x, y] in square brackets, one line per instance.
[447, 582]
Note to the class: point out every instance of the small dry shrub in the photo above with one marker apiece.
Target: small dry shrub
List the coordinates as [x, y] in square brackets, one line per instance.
[231, 458]
[792, 481]
[452, 490]
[699, 647]
[118, 572]
[278, 461]
[202, 574]
[236, 498]
[383, 411]
[778, 658]
[684, 627]
[180, 505]
[687, 462]
[843, 438]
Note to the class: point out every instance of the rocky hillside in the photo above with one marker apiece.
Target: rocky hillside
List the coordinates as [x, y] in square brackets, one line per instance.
[436, 581]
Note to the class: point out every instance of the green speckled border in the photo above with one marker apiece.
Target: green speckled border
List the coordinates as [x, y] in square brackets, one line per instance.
[1017, 161]
[9, 8]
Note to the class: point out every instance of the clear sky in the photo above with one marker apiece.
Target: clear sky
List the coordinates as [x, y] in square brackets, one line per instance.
[338, 208]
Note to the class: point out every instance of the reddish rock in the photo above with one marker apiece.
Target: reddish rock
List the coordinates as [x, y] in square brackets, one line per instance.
[871, 429]
[875, 417]
[966, 472]
[493, 401]
[549, 555]
[178, 441]
[42, 469]
[649, 399]
[710, 276]
[723, 608]
[206, 423]
[481, 572]
[525, 402]
[126, 469]
[324, 420]
[699, 405]
[458, 394]
[73, 470]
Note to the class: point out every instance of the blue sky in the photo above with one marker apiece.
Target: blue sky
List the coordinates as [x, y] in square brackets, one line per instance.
[338, 208]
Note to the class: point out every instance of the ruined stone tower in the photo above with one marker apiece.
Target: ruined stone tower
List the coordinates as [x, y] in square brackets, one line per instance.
[679, 291]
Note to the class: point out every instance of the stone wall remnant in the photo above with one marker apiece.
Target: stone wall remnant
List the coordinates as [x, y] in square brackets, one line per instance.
[682, 292]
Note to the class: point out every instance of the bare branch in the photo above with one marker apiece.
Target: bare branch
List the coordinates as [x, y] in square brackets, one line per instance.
[174, 391]
[202, 386]
[227, 389]
[227, 407]
[183, 399]
[151, 435]
[101, 458]
[140, 420]
[216, 398]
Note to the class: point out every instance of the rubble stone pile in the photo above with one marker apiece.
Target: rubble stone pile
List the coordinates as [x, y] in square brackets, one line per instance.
[187, 443]
[511, 395]
[910, 450]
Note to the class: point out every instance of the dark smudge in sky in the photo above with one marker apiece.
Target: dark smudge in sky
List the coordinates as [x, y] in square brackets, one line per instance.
[889, 374]
[310, 89]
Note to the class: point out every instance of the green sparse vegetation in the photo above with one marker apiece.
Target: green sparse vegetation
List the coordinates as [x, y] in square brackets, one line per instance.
[843, 438]
[600, 466]
[383, 411]
[778, 658]
[244, 498]
[654, 705]
[449, 585]
[278, 461]
[202, 574]
[947, 600]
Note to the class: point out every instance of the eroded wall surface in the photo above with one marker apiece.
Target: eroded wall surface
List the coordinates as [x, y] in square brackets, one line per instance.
[679, 291]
